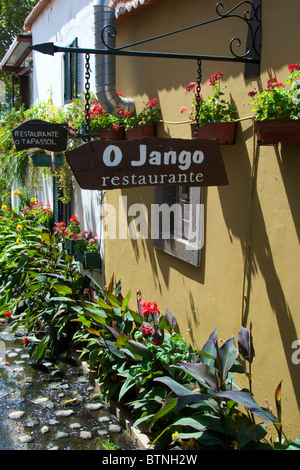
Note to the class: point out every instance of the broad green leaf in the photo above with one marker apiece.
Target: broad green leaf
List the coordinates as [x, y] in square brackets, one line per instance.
[245, 344]
[167, 408]
[139, 349]
[210, 348]
[62, 289]
[127, 385]
[173, 385]
[228, 353]
[200, 371]
[245, 399]
[125, 302]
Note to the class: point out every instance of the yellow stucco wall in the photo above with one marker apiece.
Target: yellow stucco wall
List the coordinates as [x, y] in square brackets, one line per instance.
[212, 295]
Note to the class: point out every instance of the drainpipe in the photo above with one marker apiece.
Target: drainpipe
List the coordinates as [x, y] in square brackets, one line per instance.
[105, 65]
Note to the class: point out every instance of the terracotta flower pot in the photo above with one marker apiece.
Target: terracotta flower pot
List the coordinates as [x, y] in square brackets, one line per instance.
[139, 132]
[111, 134]
[223, 132]
[273, 131]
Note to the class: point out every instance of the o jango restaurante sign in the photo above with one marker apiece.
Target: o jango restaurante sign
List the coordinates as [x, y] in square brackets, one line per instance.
[104, 164]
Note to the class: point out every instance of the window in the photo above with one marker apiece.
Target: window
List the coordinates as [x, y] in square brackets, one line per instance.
[72, 74]
[179, 222]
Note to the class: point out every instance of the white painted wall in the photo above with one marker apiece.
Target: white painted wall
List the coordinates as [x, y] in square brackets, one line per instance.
[61, 22]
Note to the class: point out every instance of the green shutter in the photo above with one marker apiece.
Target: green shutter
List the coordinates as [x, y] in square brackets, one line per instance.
[72, 74]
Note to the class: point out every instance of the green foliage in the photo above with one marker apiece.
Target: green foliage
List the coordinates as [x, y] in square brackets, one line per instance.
[183, 398]
[213, 108]
[12, 16]
[148, 116]
[277, 101]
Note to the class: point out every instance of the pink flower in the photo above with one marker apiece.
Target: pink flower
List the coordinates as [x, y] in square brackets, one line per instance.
[190, 87]
[116, 127]
[152, 103]
[183, 109]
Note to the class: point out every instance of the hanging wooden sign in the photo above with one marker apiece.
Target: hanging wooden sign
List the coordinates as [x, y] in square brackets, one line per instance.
[40, 134]
[148, 161]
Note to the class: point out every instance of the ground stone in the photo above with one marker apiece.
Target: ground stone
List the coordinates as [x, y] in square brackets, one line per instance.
[45, 429]
[94, 406]
[25, 438]
[114, 428]
[61, 435]
[85, 435]
[16, 414]
[64, 412]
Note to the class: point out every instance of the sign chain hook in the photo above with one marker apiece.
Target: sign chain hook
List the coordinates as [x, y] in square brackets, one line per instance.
[87, 95]
[198, 96]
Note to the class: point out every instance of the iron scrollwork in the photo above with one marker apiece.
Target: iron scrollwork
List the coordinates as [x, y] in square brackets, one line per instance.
[251, 17]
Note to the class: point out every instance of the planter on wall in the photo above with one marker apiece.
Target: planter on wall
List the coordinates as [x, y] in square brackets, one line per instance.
[89, 259]
[140, 131]
[273, 131]
[44, 159]
[223, 132]
[111, 134]
[69, 245]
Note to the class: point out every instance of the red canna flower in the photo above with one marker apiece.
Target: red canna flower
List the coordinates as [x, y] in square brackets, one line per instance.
[8, 314]
[149, 308]
[25, 340]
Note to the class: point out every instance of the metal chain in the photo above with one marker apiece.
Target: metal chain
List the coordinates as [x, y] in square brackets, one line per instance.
[87, 95]
[198, 96]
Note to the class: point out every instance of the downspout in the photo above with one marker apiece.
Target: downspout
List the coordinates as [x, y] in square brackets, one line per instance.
[105, 65]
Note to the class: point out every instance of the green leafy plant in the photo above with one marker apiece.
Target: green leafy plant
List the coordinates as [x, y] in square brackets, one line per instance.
[213, 412]
[277, 101]
[214, 108]
[149, 115]
[87, 241]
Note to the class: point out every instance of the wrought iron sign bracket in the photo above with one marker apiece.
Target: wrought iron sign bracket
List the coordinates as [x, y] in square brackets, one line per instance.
[251, 17]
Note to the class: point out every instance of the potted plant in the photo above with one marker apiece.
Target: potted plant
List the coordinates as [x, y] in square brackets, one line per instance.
[69, 234]
[109, 126]
[215, 113]
[142, 124]
[87, 250]
[277, 110]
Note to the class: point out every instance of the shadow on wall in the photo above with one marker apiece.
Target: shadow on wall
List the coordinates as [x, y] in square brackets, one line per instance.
[259, 258]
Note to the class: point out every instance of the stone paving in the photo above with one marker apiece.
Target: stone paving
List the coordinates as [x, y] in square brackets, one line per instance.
[53, 406]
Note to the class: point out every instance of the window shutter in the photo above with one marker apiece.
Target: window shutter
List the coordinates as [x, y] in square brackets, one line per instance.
[72, 74]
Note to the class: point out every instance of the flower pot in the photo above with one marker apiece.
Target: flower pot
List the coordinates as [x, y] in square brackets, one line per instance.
[111, 134]
[89, 259]
[223, 132]
[140, 131]
[44, 159]
[273, 131]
